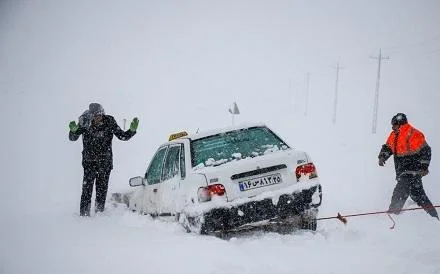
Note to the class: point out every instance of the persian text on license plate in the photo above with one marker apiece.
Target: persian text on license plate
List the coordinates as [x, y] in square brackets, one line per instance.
[260, 182]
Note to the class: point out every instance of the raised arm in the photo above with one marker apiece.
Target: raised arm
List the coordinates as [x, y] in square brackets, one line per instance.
[75, 131]
[125, 135]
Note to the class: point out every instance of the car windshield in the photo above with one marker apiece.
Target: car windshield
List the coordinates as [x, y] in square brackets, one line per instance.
[234, 145]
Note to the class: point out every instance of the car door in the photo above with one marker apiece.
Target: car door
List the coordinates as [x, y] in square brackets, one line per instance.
[153, 177]
[171, 177]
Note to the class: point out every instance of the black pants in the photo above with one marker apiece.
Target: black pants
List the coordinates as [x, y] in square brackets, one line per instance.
[101, 173]
[410, 185]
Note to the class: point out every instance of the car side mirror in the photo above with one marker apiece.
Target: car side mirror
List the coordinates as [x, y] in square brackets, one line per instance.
[136, 181]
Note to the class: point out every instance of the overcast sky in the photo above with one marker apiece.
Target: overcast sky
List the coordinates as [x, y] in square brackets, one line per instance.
[180, 64]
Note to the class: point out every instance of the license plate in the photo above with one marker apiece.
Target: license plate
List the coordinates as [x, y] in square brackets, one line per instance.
[260, 182]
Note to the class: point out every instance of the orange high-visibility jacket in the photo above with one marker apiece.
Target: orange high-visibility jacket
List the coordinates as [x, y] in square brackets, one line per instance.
[408, 141]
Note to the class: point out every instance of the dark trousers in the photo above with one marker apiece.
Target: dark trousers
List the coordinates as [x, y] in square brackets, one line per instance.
[410, 185]
[99, 174]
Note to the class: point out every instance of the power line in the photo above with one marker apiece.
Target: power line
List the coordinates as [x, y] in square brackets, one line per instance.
[425, 42]
[432, 52]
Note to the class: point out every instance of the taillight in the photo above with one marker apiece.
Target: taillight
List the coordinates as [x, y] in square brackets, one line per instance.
[306, 170]
[206, 193]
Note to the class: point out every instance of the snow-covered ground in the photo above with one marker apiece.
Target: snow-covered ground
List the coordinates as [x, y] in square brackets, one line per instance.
[121, 242]
[42, 233]
[179, 65]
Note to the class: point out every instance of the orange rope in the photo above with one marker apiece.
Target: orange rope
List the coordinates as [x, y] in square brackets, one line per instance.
[344, 220]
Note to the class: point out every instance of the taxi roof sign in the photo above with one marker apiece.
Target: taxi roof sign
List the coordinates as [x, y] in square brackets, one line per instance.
[177, 135]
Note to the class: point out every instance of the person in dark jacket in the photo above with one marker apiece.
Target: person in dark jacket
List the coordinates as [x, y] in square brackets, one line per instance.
[97, 130]
[412, 156]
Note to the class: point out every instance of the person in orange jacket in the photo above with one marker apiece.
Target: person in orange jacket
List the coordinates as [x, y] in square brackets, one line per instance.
[412, 156]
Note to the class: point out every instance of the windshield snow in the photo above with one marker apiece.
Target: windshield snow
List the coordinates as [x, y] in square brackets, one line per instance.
[234, 145]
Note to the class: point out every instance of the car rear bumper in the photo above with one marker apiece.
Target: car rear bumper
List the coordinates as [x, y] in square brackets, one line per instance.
[288, 206]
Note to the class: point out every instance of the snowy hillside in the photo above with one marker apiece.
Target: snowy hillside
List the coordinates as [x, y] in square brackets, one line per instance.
[178, 66]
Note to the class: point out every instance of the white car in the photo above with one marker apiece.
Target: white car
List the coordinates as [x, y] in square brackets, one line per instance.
[229, 179]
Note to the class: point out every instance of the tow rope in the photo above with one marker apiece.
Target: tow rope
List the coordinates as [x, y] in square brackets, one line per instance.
[343, 218]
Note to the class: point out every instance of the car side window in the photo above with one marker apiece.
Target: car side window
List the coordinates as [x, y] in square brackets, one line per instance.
[172, 163]
[154, 171]
[182, 162]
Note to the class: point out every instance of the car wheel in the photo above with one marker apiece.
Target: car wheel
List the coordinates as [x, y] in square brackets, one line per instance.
[191, 223]
[281, 228]
[308, 220]
[183, 221]
[309, 224]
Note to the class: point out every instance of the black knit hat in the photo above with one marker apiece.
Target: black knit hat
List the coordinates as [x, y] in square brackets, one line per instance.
[399, 119]
[96, 109]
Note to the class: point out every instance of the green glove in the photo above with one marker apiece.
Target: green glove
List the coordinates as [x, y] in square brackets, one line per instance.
[134, 124]
[73, 126]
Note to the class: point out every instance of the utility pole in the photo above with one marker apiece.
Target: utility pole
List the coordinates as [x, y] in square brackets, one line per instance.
[376, 94]
[307, 94]
[125, 122]
[335, 103]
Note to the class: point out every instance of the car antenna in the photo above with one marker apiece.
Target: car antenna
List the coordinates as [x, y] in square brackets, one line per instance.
[197, 130]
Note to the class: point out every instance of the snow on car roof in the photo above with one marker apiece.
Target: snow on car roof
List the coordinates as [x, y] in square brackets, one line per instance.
[207, 133]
